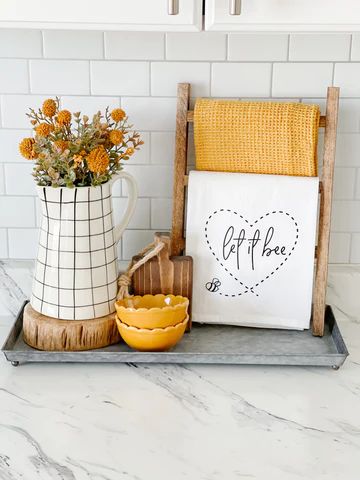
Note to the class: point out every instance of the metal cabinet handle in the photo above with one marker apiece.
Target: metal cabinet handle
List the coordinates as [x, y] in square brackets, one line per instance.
[173, 7]
[235, 7]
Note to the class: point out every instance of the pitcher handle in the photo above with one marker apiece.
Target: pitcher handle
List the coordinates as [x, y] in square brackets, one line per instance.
[131, 203]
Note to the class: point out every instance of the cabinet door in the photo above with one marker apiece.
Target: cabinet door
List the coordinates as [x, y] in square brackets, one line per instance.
[292, 15]
[103, 14]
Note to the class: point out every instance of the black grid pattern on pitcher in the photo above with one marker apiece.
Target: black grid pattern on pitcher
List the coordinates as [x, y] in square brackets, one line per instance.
[77, 263]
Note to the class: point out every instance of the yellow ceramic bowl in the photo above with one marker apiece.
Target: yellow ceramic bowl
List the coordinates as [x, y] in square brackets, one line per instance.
[152, 311]
[155, 340]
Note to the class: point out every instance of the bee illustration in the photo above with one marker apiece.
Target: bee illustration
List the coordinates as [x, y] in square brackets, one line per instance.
[213, 286]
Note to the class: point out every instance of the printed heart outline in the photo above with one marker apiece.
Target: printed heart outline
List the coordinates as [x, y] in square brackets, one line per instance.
[251, 225]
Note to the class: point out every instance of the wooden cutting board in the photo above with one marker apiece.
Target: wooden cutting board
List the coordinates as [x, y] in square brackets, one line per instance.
[164, 273]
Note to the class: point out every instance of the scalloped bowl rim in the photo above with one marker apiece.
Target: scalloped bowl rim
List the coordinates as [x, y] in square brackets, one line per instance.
[184, 303]
[150, 331]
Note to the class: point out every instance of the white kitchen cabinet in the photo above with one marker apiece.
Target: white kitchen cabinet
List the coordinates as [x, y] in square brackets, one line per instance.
[282, 15]
[104, 14]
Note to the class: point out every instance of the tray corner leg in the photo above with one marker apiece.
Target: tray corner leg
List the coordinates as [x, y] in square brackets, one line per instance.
[15, 363]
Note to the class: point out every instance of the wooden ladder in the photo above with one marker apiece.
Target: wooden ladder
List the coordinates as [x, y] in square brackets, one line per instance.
[184, 116]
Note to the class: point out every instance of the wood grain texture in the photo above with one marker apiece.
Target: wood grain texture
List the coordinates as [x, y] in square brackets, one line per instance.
[332, 106]
[177, 231]
[164, 273]
[51, 334]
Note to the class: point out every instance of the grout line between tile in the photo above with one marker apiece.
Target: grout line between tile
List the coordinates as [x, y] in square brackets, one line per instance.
[333, 74]
[351, 46]
[42, 44]
[103, 46]
[288, 48]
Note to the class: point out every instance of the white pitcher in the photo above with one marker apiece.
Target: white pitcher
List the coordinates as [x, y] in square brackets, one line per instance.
[76, 268]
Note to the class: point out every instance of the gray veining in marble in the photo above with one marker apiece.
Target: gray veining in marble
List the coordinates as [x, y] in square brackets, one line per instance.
[171, 422]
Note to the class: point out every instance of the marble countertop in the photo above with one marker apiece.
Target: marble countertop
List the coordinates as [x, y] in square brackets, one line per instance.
[138, 422]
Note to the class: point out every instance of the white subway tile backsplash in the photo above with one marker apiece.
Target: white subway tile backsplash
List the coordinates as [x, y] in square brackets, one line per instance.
[134, 45]
[23, 243]
[9, 145]
[2, 180]
[153, 114]
[3, 243]
[162, 148]
[355, 248]
[153, 181]
[339, 247]
[320, 47]
[14, 76]
[133, 241]
[89, 105]
[241, 79]
[17, 212]
[73, 44]
[119, 78]
[141, 217]
[18, 179]
[166, 75]
[344, 183]
[348, 150]
[91, 70]
[200, 46]
[357, 193]
[16, 43]
[38, 212]
[355, 47]
[59, 77]
[349, 115]
[258, 47]
[347, 77]
[161, 213]
[346, 216]
[301, 79]
[15, 107]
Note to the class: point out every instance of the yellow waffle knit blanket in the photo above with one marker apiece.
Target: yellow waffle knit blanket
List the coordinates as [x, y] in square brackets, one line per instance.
[256, 137]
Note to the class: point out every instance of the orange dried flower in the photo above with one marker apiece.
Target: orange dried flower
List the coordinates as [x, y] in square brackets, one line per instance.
[26, 148]
[98, 160]
[116, 137]
[130, 151]
[83, 153]
[64, 117]
[118, 114]
[61, 145]
[49, 107]
[44, 129]
[77, 160]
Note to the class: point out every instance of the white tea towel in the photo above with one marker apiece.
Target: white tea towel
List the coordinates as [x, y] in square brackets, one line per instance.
[252, 238]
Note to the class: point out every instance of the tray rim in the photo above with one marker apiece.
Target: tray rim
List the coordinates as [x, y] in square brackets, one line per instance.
[334, 360]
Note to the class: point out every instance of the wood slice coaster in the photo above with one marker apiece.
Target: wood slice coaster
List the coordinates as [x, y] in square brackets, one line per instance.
[51, 334]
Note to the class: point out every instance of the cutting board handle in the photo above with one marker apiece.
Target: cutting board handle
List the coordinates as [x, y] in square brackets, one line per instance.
[166, 266]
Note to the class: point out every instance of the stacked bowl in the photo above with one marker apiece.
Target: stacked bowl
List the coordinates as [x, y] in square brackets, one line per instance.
[152, 323]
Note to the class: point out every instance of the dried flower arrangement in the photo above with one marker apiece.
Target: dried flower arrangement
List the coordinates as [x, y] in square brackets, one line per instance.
[71, 151]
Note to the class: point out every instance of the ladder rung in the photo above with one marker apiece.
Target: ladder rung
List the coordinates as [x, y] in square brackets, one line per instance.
[190, 116]
[186, 181]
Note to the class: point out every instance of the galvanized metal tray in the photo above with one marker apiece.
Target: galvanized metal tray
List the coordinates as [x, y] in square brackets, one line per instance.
[206, 344]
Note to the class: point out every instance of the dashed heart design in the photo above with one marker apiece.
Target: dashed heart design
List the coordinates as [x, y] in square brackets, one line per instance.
[251, 252]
